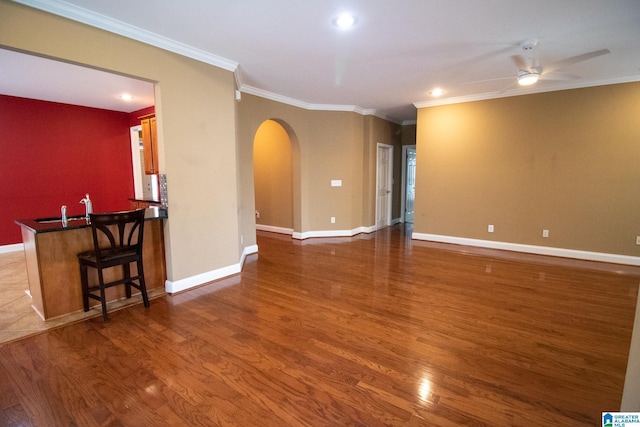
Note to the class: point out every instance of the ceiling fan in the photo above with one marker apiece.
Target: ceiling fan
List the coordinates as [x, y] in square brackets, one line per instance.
[530, 70]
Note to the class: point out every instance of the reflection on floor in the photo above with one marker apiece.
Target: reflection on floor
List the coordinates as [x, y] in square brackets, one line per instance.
[18, 319]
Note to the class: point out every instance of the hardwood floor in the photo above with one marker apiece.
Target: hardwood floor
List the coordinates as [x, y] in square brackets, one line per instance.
[18, 319]
[372, 330]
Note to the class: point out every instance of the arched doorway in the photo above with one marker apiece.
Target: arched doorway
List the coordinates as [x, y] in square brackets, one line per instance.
[274, 156]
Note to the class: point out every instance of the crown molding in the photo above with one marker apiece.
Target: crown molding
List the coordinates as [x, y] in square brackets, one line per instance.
[516, 92]
[313, 107]
[84, 16]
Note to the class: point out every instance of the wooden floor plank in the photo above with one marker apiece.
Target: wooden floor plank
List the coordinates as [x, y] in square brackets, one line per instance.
[371, 330]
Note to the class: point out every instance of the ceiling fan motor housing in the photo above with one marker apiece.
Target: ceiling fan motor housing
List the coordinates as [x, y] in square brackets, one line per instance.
[526, 78]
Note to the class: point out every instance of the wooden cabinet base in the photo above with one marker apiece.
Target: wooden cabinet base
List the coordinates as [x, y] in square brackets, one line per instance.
[54, 272]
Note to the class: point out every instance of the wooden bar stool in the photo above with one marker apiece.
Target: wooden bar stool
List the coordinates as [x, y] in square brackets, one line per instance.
[117, 240]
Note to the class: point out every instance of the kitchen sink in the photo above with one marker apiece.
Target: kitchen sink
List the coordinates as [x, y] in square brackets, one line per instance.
[58, 219]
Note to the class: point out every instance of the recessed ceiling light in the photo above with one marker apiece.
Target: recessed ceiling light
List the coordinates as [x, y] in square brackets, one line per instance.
[126, 97]
[436, 92]
[345, 21]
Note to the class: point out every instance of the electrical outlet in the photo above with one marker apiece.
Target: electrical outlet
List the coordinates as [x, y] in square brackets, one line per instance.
[333, 220]
[257, 214]
[637, 240]
[490, 228]
[545, 233]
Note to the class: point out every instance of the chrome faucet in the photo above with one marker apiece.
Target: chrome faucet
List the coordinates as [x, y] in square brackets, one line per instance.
[87, 205]
[63, 215]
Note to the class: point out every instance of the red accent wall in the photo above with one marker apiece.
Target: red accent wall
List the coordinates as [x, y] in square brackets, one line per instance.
[52, 154]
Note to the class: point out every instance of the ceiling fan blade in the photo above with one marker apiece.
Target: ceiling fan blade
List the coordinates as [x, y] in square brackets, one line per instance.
[509, 86]
[520, 62]
[486, 80]
[575, 59]
[559, 76]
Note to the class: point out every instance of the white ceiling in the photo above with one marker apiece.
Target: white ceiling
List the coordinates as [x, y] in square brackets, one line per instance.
[395, 55]
[30, 76]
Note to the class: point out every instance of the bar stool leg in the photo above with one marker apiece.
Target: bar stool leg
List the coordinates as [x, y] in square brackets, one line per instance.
[143, 285]
[103, 299]
[85, 286]
[126, 268]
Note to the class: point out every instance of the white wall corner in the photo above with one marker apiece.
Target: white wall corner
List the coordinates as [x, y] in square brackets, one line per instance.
[248, 250]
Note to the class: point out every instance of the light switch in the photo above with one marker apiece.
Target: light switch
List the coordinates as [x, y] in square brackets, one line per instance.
[336, 183]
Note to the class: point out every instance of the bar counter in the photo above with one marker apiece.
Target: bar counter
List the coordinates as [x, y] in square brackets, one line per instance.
[51, 251]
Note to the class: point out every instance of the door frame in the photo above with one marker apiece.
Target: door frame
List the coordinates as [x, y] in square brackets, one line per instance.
[389, 183]
[134, 131]
[403, 199]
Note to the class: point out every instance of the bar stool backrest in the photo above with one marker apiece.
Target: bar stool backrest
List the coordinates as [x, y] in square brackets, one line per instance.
[117, 232]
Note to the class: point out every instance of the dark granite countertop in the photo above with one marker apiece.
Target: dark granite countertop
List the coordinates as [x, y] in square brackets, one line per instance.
[43, 225]
[147, 201]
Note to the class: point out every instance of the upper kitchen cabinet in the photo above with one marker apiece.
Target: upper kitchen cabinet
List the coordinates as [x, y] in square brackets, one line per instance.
[150, 144]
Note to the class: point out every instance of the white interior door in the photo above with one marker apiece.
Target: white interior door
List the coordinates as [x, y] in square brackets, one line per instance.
[145, 186]
[138, 184]
[384, 185]
[410, 183]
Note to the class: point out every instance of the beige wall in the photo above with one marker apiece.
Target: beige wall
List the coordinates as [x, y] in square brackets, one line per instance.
[564, 161]
[273, 175]
[209, 175]
[195, 109]
[408, 135]
[326, 146]
[380, 131]
[334, 152]
[252, 111]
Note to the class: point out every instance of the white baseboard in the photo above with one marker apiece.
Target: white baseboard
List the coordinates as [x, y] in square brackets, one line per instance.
[532, 249]
[11, 248]
[333, 233]
[253, 249]
[367, 229]
[273, 229]
[210, 276]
